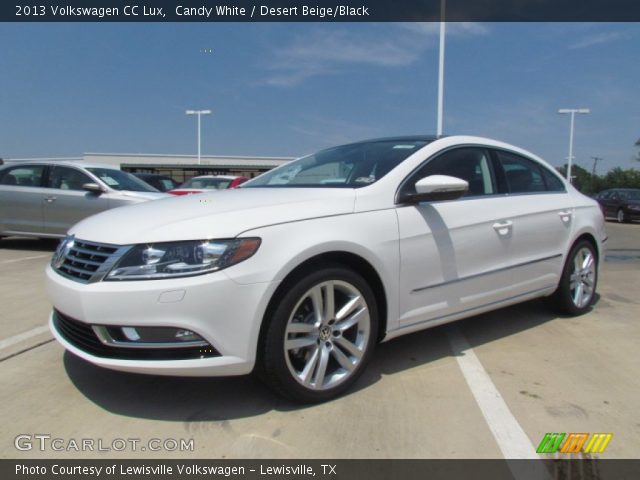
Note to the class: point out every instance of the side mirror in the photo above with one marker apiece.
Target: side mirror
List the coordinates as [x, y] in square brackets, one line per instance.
[93, 188]
[437, 187]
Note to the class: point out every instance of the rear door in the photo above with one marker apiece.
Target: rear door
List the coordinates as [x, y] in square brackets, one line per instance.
[21, 197]
[542, 214]
[66, 203]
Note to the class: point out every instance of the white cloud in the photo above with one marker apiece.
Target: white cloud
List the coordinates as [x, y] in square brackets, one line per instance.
[597, 39]
[329, 50]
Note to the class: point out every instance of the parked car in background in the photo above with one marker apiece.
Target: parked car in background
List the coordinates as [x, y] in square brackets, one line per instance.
[208, 182]
[44, 199]
[623, 204]
[161, 183]
[303, 270]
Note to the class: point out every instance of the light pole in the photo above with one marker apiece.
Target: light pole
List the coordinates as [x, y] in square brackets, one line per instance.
[441, 70]
[199, 113]
[572, 112]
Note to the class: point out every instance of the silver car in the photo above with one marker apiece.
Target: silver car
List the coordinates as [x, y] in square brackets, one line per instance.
[44, 199]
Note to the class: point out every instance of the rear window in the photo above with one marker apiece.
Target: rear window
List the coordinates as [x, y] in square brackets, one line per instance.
[23, 176]
[207, 183]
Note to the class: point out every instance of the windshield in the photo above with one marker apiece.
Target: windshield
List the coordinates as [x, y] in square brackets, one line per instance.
[348, 166]
[207, 183]
[119, 180]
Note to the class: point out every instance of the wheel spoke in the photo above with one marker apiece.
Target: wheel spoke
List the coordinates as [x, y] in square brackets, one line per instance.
[354, 319]
[577, 265]
[316, 300]
[299, 342]
[349, 307]
[578, 295]
[322, 367]
[342, 359]
[329, 303]
[309, 367]
[300, 327]
[349, 347]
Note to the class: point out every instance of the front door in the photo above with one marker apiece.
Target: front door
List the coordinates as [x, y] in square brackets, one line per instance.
[66, 203]
[455, 255]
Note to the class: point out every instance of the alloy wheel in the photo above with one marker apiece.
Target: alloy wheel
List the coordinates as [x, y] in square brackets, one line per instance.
[327, 334]
[583, 276]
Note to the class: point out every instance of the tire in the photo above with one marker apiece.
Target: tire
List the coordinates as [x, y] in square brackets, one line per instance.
[580, 272]
[310, 355]
[621, 217]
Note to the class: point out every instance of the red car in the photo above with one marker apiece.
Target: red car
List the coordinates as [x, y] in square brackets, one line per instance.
[208, 182]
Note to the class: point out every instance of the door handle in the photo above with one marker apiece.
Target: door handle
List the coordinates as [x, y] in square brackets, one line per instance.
[565, 215]
[50, 199]
[503, 228]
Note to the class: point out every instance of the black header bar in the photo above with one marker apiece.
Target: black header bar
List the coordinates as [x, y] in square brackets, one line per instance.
[319, 11]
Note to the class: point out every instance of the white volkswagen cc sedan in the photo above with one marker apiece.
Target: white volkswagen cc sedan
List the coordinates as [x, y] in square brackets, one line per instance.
[301, 271]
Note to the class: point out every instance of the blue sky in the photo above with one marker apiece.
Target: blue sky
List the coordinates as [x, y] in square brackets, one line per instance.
[292, 88]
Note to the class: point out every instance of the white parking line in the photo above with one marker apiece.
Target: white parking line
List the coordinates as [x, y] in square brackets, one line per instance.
[8, 342]
[506, 430]
[23, 258]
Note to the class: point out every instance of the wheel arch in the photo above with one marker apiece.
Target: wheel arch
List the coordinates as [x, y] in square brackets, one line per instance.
[589, 237]
[348, 259]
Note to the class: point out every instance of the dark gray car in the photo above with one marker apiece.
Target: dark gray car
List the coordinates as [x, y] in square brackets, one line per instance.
[44, 199]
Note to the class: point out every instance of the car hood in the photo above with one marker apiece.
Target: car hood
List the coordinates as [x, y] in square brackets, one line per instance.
[219, 214]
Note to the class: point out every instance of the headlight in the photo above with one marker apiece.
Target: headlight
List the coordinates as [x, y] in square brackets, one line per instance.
[181, 259]
[633, 207]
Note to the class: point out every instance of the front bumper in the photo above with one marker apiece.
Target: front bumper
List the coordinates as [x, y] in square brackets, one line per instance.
[224, 313]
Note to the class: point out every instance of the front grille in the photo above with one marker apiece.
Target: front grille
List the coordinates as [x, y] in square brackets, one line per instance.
[82, 261]
[82, 336]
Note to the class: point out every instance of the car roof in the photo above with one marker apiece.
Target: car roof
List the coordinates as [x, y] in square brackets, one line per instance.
[61, 163]
[402, 138]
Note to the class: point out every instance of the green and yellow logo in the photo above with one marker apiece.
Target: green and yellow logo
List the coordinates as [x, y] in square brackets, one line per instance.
[574, 443]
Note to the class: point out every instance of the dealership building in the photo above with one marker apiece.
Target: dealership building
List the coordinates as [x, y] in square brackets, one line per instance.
[182, 167]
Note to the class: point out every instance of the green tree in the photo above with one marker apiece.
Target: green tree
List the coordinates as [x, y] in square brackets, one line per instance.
[615, 178]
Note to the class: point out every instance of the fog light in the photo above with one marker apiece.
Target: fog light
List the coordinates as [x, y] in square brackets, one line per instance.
[187, 336]
[148, 337]
[131, 334]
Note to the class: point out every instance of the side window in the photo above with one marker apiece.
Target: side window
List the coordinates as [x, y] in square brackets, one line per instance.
[23, 176]
[523, 175]
[468, 163]
[554, 184]
[66, 178]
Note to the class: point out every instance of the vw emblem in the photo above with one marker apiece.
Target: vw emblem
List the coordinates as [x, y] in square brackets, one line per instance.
[62, 250]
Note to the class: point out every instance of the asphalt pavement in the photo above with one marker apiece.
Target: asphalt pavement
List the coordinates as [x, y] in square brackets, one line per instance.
[486, 387]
